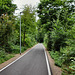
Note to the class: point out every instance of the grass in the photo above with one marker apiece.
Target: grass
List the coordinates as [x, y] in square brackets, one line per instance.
[65, 59]
[14, 50]
[68, 68]
[57, 58]
[4, 56]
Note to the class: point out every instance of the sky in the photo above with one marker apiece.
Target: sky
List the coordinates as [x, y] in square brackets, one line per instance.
[20, 4]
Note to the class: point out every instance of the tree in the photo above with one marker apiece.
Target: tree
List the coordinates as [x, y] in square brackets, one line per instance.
[40, 32]
[7, 32]
[7, 26]
[28, 21]
[50, 11]
[6, 6]
[58, 19]
[28, 24]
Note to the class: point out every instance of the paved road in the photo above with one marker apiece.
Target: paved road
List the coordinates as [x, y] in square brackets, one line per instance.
[33, 63]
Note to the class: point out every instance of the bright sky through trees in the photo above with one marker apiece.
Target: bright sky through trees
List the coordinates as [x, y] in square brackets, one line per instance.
[20, 4]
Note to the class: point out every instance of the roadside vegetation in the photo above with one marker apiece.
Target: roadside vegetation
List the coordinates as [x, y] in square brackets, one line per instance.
[57, 27]
[10, 29]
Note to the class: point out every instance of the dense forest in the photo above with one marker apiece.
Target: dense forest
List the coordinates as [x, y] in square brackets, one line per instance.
[55, 28]
[10, 29]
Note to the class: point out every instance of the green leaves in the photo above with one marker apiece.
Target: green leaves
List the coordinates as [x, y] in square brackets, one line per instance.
[6, 6]
[28, 26]
[58, 21]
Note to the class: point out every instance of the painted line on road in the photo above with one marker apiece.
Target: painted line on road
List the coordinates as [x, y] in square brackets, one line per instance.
[15, 60]
[48, 67]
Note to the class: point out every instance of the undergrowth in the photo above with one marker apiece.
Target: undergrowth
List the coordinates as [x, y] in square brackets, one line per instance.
[5, 56]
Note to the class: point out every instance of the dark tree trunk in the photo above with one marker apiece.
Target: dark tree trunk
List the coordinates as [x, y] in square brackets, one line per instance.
[24, 39]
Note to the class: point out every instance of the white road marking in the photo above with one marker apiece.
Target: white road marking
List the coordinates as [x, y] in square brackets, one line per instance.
[48, 67]
[25, 54]
[15, 60]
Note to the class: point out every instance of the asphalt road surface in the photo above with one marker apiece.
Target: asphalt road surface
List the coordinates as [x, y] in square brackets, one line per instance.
[32, 63]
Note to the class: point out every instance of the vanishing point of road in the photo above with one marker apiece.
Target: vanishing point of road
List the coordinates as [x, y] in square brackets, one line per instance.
[34, 62]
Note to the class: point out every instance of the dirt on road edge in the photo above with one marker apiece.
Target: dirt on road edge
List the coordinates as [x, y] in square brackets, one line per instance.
[55, 69]
[13, 59]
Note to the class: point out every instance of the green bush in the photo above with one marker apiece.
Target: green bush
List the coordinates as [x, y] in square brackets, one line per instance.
[16, 49]
[29, 41]
[4, 56]
[57, 57]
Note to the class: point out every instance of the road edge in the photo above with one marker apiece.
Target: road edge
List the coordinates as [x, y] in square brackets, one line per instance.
[16, 59]
[55, 70]
[47, 62]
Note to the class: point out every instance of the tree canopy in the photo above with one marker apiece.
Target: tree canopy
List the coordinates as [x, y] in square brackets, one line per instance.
[6, 6]
[57, 22]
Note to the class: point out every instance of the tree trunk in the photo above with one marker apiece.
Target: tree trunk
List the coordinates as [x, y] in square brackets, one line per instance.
[24, 39]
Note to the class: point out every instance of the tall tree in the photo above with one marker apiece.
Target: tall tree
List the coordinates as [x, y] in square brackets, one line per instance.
[50, 11]
[7, 20]
[6, 6]
[28, 21]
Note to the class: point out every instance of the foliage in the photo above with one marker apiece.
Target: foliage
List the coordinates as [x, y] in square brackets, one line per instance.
[28, 25]
[40, 32]
[4, 56]
[7, 32]
[58, 22]
[57, 57]
[10, 29]
[6, 6]
[16, 49]
[69, 53]
[56, 15]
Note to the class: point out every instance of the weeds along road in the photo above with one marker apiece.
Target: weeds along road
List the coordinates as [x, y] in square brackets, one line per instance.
[32, 63]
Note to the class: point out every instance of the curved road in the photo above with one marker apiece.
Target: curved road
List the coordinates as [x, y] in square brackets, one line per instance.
[33, 62]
